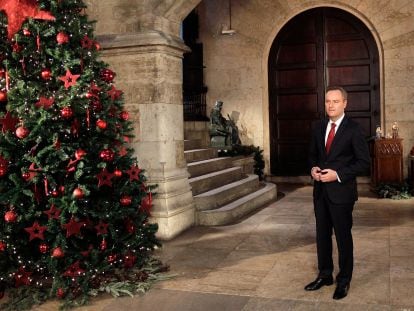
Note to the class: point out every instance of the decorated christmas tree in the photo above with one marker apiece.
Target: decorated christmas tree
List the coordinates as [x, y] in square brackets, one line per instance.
[74, 204]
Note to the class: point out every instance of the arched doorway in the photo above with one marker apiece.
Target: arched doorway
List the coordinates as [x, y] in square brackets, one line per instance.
[315, 49]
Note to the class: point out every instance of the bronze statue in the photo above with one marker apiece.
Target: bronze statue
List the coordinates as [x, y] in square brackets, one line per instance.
[223, 132]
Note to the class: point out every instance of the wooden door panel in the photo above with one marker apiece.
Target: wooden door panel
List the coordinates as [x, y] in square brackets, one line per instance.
[297, 53]
[350, 75]
[347, 50]
[359, 101]
[297, 78]
[297, 104]
[294, 129]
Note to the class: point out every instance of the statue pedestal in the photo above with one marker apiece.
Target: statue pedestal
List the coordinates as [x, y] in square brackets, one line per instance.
[218, 142]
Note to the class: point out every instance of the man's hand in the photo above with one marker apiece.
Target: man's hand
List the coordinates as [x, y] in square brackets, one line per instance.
[316, 173]
[328, 175]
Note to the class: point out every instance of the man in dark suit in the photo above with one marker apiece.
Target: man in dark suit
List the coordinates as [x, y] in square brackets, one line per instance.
[338, 153]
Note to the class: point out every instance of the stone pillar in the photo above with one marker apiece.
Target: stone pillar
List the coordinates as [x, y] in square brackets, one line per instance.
[149, 71]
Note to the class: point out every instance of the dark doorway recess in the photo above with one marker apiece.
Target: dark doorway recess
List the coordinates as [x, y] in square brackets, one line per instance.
[318, 48]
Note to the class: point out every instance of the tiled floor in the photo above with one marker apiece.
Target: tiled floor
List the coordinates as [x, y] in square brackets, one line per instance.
[263, 262]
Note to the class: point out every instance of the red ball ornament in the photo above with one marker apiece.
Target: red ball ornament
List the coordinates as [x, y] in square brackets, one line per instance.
[125, 200]
[46, 74]
[78, 193]
[62, 189]
[10, 216]
[26, 32]
[2, 246]
[66, 112]
[107, 155]
[90, 95]
[79, 154]
[97, 46]
[117, 173]
[62, 38]
[55, 193]
[103, 245]
[124, 115]
[22, 132]
[3, 171]
[3, 96]
[2, 73]
[60, 293]
[101, 124]
[107, 75]
[26, 175]
[43, 248]
[58, 253]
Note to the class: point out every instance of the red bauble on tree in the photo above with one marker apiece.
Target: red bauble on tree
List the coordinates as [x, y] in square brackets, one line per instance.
[125, 200]
[78, 193]
[58, 253]
[124, 115]
[26, 176]
[2, 246]
[101, 124]
[96, 105]
[60, 293]
[3, 171]
[3, 96]
[62, 38]
[46, 73]
[107, 155]
[66, 112]
[118, 173]
[26, 32]
[107, 75]
[43, 248]
[10, 216]
[22, 132]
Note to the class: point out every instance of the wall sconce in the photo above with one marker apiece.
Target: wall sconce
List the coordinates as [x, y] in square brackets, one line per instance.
[227, 30]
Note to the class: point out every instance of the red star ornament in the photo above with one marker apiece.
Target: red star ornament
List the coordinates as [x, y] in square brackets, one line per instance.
[32, 172]
[114, 93]
[44, 102]
[53, 212]
[69, 79]
[101, 228]
[133, 173]
[36, 231]
[104, 178]
[22, 277]
[86, 42]
[74, 270]
[73, 227]
[9, 122]
[18, 11]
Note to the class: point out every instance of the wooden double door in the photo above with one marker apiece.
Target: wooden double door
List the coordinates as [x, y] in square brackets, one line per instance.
[318, 48]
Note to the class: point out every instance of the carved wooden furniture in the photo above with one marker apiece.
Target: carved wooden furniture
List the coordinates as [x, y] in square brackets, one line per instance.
[387, 162]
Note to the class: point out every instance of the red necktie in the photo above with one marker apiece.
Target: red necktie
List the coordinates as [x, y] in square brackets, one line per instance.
[331, 136]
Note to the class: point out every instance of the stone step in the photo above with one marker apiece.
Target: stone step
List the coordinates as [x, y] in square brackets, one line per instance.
[213, 180]
[190, 144]
[233, 211]
[208, 166]
[225, 194]
[200, 154]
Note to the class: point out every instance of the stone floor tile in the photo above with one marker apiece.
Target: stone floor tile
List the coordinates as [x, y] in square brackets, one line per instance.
[402, 291]
[266, 304]
[240, 260]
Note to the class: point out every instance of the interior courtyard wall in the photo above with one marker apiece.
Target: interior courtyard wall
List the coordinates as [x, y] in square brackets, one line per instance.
[236, 66]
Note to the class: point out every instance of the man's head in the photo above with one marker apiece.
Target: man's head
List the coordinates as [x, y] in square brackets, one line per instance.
[335, 102]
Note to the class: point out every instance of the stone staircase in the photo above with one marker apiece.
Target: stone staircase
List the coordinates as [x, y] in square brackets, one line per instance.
[223, 192]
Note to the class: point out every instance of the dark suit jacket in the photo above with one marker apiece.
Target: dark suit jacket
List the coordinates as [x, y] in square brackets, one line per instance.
[349, 157]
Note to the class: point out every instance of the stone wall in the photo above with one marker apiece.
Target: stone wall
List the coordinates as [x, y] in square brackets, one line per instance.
[236, 66]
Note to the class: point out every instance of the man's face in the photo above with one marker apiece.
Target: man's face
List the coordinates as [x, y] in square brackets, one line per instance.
[334, 104]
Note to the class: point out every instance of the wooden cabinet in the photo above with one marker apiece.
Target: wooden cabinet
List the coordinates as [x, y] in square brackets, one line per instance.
[387, 162]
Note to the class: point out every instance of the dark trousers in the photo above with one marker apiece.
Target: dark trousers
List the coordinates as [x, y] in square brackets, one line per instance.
[339, 218]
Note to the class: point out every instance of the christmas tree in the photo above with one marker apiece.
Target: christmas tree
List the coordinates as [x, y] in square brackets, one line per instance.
[74, 202]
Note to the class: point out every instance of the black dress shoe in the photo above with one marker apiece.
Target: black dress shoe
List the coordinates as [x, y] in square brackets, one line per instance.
[341, 291]
[318, 283]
